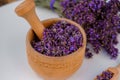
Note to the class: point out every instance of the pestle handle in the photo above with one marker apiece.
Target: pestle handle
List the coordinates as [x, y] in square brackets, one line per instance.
[27, 11]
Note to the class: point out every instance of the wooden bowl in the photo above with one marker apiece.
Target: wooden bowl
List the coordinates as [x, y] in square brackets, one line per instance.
[55, 68]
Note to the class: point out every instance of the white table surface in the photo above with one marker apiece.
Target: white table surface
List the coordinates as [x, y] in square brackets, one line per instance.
[13, 60]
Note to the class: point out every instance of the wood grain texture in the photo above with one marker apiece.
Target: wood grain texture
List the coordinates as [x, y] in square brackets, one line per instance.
[27, 11]
[55, 68]
[118, 68]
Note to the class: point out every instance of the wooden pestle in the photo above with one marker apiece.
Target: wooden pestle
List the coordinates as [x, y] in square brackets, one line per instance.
[27, 11]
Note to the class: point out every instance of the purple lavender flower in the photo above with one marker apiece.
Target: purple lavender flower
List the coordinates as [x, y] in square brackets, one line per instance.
[60, 39]
[100, 20]
[52, 2]
[106, 75]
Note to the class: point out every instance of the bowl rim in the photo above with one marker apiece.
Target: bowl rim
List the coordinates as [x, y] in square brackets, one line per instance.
[53, 20]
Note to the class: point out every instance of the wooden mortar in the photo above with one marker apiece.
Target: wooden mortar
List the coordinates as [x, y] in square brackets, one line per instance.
[55, 68]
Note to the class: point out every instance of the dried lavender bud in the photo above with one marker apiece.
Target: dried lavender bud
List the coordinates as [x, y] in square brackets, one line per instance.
[88, 54]
[100, 20]
[60, 39]
[52, 2]
[106, 75]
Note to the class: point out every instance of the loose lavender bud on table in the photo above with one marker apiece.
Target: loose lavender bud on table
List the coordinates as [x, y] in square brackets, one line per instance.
[88, 54]
[106, 75]
[60, 39]
[100, 20]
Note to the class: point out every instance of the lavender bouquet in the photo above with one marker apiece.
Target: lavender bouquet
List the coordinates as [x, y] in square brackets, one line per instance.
[99, 18]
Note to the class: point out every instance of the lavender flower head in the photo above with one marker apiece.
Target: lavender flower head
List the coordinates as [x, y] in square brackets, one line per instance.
[52, 2]
[60, 39]
[100, 20]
